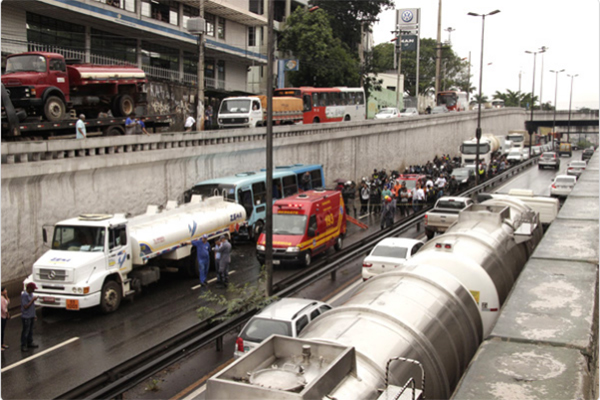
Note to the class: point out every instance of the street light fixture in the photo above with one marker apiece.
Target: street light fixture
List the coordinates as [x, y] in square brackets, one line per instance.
[478, 130]
[570, 101]
[555, 105]
[531, 129]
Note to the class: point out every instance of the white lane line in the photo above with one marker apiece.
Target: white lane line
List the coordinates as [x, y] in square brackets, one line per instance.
[343, 292]
[41, 353]
[211, 281]
[196, 393]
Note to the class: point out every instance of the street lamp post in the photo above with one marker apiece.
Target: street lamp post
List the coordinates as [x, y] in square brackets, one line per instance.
[555, 94]
[543, 50]
[531, 129]
[570, 102]
[478, 130]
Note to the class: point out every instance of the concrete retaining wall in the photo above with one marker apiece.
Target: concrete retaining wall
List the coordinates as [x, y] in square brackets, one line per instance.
[141, 170]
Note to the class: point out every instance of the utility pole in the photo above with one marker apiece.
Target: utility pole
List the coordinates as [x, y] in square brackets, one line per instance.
[269, 204]
[438, 57]
[469, 80]
[555, 106]
[570, 102]
[200, 110]
[542, 50]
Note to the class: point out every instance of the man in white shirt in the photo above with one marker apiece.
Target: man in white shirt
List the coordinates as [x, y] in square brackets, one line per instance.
[80, 131]
[440, 182]
[189, 123]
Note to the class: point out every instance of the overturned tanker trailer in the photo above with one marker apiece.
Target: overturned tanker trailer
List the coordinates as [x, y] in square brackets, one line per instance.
[407, 332]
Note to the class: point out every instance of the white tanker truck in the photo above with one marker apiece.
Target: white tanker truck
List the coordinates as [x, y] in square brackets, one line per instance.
[97, 259]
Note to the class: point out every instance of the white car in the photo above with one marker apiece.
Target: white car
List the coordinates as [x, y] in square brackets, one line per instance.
[389, 254]
[526, 153]
[286, 317]
[439, 110]
[515, 155]
[409, 112]
[389, 112]
[562, 185]
[536, 150]
[575, 168]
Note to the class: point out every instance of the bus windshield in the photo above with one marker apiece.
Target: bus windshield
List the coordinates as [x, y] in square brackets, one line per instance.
[289, 224]
[209, 190]
[472, 148]
[449, 99]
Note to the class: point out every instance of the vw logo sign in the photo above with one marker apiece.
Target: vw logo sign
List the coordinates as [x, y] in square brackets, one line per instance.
[52, 275]
[407, 16]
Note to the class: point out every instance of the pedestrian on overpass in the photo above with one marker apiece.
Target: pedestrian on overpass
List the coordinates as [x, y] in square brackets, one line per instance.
[80, 131]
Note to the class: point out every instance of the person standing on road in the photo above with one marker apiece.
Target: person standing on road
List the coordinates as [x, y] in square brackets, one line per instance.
[80, 131]
[28, 316]
[5, 314]
[365, 194]
[225, 258]
[203, 255]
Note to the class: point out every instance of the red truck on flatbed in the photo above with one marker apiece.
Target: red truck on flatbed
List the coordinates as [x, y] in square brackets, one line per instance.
[45, 84]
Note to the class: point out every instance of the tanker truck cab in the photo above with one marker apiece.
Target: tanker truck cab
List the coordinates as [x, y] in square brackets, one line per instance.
[86, 263]
[305, 225]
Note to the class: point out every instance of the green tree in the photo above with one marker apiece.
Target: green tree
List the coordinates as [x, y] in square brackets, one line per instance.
[454, 69]
[484, 98]
[324, 60]
[347, 16]
[516, 99]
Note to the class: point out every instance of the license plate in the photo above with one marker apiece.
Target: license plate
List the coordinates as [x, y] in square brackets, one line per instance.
[50, 300]
[276, 262]
[72, 304]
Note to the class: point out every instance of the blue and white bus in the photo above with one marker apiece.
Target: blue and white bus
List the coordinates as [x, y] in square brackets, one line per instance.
[250, 190]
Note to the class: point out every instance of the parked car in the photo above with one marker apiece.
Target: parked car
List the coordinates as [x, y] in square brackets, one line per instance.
[389, 254]
[409, 112]
[286, 317]
[526, 153]
[465, 177]
[439, 110]
[549, 159]
[587, 153]
[386, 113]
[515, 155]
[562, 185]
[575, 168]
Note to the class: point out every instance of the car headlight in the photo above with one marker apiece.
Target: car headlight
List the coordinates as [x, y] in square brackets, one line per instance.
[260, 247]
[293, 249]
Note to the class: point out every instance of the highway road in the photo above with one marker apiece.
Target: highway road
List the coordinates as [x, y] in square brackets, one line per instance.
[75, 347]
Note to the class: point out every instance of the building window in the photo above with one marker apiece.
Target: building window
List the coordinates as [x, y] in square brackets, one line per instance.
[221, 28]
[210, 24]
[113, 46]
[256, 7]
[251, 36]
[128, 5]
[50, 31]
[161, 10]
[221, 71]
[159, 56]
[190, 63]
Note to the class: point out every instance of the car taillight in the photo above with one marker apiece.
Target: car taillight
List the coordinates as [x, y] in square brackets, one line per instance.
[367, 265]
[239, 342]
[553, 186]
[425, 219]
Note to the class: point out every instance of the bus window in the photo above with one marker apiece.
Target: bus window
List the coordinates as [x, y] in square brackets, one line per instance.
[260, 193]
[276, 189]
[323, 99]
[290, 186]
[344, 98]
[360, 99]
[245, 200]
[306, 102]
[315, 97]
[316, 178]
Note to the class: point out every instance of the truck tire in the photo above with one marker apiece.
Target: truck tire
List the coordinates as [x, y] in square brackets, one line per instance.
[110, 297]
[114, 130]
[123, 106]
[54, 109]
[339, 244]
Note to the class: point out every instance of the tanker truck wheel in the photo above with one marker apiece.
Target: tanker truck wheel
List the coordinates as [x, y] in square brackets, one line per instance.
[54, 109]
[123, 106]
[110, 297]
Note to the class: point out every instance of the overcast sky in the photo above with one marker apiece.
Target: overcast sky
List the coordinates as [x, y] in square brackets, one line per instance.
[570, 31]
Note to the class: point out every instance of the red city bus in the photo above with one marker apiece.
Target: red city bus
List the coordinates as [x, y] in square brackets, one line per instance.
[453, 100]
[329, 104]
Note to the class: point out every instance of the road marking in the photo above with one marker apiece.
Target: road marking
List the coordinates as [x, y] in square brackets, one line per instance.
[199, 382]
[39, 354]
[211, 281]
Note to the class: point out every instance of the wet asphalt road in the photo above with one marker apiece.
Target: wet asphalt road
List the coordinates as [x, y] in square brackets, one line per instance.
[77, 346]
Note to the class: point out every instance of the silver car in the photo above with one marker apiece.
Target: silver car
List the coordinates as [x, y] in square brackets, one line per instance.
[562, 185]
[286, 317]
[575, 168]
[549, 159]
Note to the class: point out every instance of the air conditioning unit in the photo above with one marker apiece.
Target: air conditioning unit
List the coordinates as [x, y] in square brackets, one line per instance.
[196, 26]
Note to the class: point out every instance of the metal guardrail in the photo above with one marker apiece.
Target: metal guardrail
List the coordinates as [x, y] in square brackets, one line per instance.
[124, 377]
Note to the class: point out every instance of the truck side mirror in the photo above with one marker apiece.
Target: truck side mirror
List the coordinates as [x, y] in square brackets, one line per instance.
[123, 237]
[311, 232]
[44, 235]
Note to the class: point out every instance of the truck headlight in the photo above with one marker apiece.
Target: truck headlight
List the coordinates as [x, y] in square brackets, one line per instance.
[246, 119]
[294, 249]
[260, 247]
[81, 290]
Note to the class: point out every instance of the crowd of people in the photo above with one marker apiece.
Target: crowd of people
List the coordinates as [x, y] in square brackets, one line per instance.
[386, 193]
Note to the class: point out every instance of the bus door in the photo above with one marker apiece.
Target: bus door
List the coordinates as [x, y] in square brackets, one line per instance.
[290, 185]
[245, 197]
